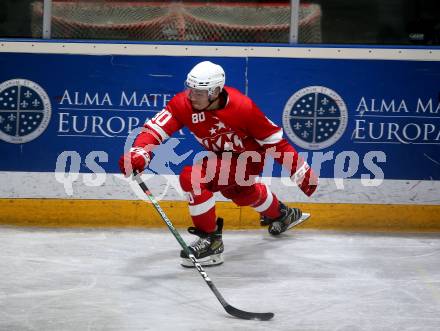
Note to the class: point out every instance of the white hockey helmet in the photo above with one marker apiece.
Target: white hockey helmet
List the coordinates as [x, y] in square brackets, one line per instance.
[206, 76]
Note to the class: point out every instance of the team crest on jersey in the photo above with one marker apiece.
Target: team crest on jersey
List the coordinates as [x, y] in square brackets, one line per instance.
[222, 138]
[228, 142]
[315, 117]
[25, 111]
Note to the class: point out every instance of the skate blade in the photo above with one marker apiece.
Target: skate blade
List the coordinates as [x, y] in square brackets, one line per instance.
[208, 261]
[303, 218]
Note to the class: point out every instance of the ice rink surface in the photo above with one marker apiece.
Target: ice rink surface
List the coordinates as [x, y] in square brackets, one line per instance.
[132, 280]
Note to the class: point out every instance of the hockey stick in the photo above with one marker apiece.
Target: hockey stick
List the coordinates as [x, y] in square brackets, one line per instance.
[229, 309]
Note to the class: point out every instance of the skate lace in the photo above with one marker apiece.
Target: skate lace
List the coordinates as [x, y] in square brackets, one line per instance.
[200, 244]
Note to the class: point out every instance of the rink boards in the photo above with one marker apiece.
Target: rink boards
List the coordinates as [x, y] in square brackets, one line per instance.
[37, 199]
[79, 104]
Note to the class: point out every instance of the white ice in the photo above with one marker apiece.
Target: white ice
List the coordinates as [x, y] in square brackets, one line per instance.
[131, 280]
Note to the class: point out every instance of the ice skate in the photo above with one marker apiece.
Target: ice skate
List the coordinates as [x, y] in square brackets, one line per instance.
[208, 249]
[289, 218]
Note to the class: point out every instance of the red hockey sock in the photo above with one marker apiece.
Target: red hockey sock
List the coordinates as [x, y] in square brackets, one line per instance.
[202, 210]
[202, 204]
[268, 204]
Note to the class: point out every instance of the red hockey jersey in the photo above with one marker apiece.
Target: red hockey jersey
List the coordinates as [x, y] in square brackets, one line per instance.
[239, 126]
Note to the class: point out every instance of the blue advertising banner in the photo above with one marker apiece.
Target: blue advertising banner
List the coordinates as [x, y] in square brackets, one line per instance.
[87, 103]
[351, 117]
[391, 107]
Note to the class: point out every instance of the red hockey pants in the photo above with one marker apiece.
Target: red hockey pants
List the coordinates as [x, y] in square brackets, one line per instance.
[234, 178]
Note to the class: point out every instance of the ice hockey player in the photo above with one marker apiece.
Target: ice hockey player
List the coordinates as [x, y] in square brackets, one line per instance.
[239, 135]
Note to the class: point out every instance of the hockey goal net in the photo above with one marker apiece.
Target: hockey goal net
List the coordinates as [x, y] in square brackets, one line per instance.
[178, 21]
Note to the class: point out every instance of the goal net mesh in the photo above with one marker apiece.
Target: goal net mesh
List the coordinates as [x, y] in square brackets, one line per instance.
[225, 22]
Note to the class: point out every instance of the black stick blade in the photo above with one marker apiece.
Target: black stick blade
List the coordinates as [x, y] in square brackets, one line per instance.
[248, 315]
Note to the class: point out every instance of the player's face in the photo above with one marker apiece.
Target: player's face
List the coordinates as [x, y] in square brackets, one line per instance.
[199, 98]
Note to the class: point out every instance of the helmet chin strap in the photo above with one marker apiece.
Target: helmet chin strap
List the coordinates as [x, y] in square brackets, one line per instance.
[211, 102]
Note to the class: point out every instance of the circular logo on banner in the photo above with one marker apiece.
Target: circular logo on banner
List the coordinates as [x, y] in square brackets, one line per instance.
[25, 111]
[315, 117]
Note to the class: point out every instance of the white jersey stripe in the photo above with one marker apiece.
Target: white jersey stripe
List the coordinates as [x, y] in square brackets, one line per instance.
[201, 208]
[272, 139]
[266, 204]
[298, 176]
[163, 135]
